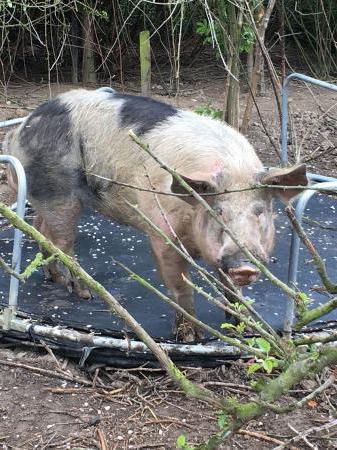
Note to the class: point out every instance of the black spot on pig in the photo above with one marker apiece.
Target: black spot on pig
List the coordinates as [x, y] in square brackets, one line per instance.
[48, 184]
[142, 113]
[47, 130]
[51, 168]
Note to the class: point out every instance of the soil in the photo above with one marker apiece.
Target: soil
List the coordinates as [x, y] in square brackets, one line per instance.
[110, 408]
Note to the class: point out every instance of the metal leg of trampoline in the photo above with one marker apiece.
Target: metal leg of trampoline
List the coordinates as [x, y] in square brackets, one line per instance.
[17, 246]
[294, 250]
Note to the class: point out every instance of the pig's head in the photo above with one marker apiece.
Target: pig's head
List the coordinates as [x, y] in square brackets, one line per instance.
[247, 213]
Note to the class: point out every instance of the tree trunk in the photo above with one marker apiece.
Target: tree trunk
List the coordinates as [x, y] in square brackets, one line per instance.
[261, 19]
[232, 95]
[74, 46]
[88, 65]
[250, 64]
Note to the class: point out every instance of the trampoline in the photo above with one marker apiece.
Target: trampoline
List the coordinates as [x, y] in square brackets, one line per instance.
[89, 332]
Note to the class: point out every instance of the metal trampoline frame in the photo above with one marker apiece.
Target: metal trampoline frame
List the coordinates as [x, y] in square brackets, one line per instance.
[10, 321]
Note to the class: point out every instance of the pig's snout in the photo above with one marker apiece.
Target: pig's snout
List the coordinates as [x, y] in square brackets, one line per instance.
[244, 275]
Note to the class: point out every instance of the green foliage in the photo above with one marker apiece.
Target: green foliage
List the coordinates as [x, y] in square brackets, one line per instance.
[208, 110]
[302, 305]
[268, 363]
[304, 297]
[258, 384]
[204, 31]
[181, 443]
[239, 328]
[247, 38]
[222, 420]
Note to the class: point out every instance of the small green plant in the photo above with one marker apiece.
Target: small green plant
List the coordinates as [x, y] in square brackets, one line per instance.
[181, 443]
[268, 363]
[247, 38]
[208, 110]
[222, 420]
[239, 328]
[204, 31]
[303, 303]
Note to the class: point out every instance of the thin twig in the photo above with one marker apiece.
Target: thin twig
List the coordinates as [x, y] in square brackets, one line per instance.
[46, 372]
[102, 439]
[305, 433]
[178, 308]
[304, 400]
[304, 438]
[318, 261]
[252, 187]
[264, 437]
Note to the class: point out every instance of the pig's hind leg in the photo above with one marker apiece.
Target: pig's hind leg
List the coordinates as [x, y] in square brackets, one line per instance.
[58, 224]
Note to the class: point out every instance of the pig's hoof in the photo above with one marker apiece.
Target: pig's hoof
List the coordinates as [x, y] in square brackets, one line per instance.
[187, 332]
[82, 292]
[47, 273]
[79, 289]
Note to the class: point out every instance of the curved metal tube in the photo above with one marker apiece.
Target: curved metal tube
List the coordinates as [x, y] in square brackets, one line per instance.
[107, 89]
[11, 122]
[20, 210]
[284, 121]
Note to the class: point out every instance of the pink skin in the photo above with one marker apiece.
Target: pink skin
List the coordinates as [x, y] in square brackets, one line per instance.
[253, 227]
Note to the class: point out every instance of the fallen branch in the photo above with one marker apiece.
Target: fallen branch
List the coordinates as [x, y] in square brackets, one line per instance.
[190, 388]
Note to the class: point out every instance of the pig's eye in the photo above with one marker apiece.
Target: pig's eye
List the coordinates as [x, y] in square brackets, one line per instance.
[258, 211]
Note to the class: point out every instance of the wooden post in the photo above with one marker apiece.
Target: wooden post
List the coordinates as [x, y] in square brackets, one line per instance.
[145, 62]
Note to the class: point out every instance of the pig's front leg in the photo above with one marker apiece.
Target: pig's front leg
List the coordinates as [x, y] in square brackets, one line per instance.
[171, 267]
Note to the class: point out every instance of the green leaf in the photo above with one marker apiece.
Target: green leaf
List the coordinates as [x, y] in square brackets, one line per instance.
[228, 326]
[240, 328]
[257, 385]
[238, 306]
[263, 345]
[250, 301]
[269, 363]
[222, 420]
[251, 342]
[254, 367]
[303, 297]
[181, 441]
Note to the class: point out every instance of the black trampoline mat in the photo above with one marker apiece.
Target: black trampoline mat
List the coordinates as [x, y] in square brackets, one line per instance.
[99, 240]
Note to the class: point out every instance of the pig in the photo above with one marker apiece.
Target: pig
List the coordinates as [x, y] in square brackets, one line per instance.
[69, 140]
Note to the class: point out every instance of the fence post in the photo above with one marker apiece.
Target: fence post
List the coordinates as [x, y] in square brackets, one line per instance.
[145, 62]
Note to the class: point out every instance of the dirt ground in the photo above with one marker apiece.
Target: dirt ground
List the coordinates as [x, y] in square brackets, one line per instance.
[46, 402]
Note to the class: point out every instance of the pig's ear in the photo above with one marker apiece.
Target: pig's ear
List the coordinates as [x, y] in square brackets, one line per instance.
[200, 186]
[290, 176]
